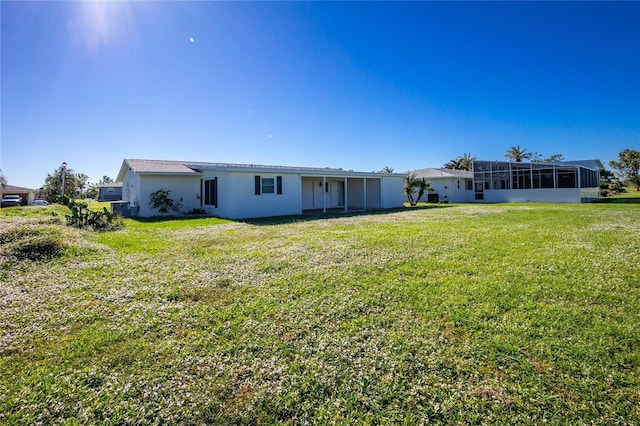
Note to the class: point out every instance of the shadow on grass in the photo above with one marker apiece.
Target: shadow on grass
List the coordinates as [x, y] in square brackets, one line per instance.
[311, 216]
[280, 220]
[619, 200]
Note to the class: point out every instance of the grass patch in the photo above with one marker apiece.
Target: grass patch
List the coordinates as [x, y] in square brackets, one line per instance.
[505, 314]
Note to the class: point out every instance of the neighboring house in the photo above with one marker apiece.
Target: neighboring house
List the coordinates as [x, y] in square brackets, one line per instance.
[110, 192]
[26, 194]
[455, 185]
[238, 191]
[562, 182]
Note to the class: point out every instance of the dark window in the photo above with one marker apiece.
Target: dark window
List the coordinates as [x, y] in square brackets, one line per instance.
[469, 184]
[268, 185]
[211, 192]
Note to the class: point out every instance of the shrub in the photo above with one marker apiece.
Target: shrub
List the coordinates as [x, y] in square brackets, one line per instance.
[82, 217]
[160, 200]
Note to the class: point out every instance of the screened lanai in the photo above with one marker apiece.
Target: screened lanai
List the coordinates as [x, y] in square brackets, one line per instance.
[555, 182]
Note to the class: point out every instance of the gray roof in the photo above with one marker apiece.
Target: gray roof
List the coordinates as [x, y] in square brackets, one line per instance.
[432, 173]
[12, 188]
[195, 167]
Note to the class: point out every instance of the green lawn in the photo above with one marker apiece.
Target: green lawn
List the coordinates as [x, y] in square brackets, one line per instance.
[449, 314]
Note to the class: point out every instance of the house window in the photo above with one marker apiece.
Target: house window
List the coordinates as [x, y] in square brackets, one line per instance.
[268, 185]
[110, 190]
[469, 185]
[211, 192]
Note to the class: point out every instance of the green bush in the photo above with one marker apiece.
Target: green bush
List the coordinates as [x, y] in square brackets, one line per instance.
[82, 217]
[160, 200]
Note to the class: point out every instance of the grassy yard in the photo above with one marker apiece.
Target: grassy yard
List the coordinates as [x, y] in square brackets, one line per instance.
[450, 314]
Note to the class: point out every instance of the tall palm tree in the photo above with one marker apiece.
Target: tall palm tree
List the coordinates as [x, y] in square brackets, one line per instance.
[466, 161]
[463, 162]
[517, 154]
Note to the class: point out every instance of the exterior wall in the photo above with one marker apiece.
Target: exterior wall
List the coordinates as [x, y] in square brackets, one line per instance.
[588, 195]
[550, 195]
[184, 189]
[374, 199]
[355, 193]
[237, 198]
[392, 193]
[449, 187]
[113, 195]
[131, 188]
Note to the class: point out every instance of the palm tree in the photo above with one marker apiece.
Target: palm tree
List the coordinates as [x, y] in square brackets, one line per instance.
[463, 162]
[387, 169]
[413, 183]
[466, 161]
[454, 164]
[517, 154]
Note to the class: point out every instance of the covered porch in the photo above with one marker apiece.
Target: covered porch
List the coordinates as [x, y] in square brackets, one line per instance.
[340, 193]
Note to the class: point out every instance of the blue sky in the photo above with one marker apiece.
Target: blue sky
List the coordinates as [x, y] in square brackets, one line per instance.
[357, 85]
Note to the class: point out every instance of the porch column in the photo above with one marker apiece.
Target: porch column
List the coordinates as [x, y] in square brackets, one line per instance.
[324, 194]
[346, 198]
[364, 194]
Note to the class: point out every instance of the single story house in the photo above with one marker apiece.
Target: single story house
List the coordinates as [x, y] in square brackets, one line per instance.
[453, 186]
[561, 182]
[26, 194]
[237, 191]
[110, 191]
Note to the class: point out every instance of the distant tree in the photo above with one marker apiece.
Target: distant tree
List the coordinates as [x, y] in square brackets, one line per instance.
[413, 184]
[82, 184]
[463, 162]
[387, 169]
[610, 184]
[105, 180]
[538, 158]
[628, 166]
[3, 179]
[517, 154]
[74, 184]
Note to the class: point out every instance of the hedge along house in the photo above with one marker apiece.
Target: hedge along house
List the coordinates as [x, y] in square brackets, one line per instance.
[455, 185]
[562, 182]
[237, 191]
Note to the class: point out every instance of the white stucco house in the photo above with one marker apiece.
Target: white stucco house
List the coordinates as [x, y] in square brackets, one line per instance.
[455, 185]
[238, 191]
[561, 182]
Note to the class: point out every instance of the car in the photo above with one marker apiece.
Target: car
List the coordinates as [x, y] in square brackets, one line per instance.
[39, 202]
[11, 201]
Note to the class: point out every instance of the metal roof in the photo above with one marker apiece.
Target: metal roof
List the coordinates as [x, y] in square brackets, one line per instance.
[194, 167]
[434, 173]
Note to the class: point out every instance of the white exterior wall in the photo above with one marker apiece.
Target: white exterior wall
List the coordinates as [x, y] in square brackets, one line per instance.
[184, 189]
[131, 188]
[453, 194]
[547, 195]
[392, 192]
[237, 198]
